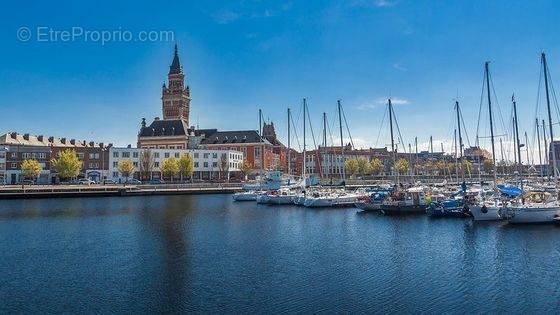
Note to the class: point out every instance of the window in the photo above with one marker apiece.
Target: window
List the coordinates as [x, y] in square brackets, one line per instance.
[156, 155]
[214, 155]
[115, 164]
[115, 174]
[14, 165]
[205, 164]
[172, 147]
[177, 155]
[116, 154]
[196, 155]
[156, 164]
[134, 154]
[166, 155]
[135, 164]
[224, 155]
[93, 156]
[206, 155]
[257, 152]
[25, 155]
[14, 154]
[126, 154]
[195, 164]
[214, 164]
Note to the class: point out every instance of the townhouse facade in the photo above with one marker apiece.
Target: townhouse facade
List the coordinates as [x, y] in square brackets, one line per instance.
[208, 164]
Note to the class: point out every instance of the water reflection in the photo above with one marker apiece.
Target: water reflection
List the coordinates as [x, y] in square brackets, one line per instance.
[177, 254]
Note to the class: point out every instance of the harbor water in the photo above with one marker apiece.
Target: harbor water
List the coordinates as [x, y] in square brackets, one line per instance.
[208, 254]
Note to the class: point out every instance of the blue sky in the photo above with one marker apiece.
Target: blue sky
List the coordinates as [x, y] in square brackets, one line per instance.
[243, 55]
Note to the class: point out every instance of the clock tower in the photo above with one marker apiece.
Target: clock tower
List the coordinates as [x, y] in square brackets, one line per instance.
[176, 98]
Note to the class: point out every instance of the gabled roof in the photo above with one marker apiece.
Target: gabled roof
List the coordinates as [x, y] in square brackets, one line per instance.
[165, 128]
[232, 137]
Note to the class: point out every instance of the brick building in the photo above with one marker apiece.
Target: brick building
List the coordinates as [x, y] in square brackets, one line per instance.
[18, 147]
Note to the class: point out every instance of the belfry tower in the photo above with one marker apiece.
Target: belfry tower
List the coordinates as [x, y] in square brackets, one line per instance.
[176, 98]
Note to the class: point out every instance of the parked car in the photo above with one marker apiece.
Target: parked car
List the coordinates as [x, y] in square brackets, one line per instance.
[133, 181]
[156, 182]
[27, 182]
[85, 181]
[109, 182]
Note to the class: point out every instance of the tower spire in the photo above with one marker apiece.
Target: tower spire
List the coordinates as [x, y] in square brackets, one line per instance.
[175, 67]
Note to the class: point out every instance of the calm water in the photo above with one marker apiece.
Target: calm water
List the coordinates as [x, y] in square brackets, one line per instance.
[208, 254]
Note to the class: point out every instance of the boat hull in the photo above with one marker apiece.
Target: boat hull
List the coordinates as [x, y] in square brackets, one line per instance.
[366, 206]
[533, 215]
[281, 200]
[481, 213]
[245, 197]
[403, 209]
[330, 202]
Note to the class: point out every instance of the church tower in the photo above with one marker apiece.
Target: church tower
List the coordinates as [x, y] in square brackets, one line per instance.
[176, 97]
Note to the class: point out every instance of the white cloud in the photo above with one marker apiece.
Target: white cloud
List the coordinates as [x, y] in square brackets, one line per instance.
[399, 66]
[384, 3]
[226, 16]
[381, 102]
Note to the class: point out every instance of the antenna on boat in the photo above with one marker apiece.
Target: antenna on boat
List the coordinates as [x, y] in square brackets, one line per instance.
[304, 157]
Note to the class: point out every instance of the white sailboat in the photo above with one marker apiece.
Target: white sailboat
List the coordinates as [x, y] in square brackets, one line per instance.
[539, 207]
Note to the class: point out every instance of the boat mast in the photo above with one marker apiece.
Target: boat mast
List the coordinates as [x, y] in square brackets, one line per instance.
[324, 142]
[519, 166]
[491, 122]
[459, 129]
[456, 155]
[341, 140]
[304, 114]
[539, 144]
[546, 156]
[391, 129]
[527, 150]
[260, 123]
[552, 145]
[289, 149]
[502, 157]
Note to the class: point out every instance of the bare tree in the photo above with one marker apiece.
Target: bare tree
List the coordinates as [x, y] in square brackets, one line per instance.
[224, 165]
[146, 164]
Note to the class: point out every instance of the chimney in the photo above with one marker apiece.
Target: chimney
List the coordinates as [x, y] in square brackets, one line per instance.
[110, 145]
[26, 136]
[129, 146]
[91, 144]
[101, 145]
[84, 143]
[63, 140]
[51, 139]
[156, 119]
[40, 138]
[73, 141]
[143, 124]
[13, 135]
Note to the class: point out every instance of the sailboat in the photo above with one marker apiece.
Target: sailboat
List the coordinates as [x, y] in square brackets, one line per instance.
[539, 206]
[488, 209]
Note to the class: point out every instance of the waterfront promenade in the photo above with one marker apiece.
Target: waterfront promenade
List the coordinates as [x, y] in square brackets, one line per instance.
[65, 191]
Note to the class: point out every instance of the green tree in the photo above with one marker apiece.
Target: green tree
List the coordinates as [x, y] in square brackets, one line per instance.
[126, 168]
[351, 166]
[186, 166]
[376, 166]
[67, 165]
[245, 168]
[466, 166]
[401, 166]
[364, 168]
[31, 169]
[170, 168]
[488, 165]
